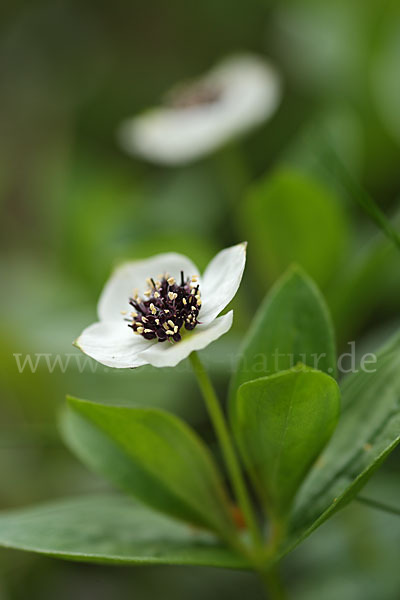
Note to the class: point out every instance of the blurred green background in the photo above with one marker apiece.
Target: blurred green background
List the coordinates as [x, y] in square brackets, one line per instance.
[72, 204]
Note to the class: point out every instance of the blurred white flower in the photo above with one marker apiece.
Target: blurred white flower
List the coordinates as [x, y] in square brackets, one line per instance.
[238, 94]
[158, 310]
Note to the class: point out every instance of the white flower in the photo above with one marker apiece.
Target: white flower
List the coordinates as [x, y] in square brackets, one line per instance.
[158, 310]
[238, 94]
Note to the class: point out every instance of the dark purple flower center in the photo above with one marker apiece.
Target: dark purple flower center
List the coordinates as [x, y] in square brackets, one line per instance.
[166, 308]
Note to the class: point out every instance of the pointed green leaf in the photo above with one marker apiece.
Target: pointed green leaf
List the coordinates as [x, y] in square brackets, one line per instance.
[292, 325]
[111, 529]
[283, 423]
[289, 216]
[153, 455]
[368, 431]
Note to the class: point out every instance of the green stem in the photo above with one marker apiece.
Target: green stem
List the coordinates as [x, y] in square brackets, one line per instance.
[273, 583]
[360, 195]
[379, 505]
[221, 429]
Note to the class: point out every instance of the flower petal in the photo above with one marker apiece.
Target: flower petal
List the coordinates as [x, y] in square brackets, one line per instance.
[132, 275]
[113, 344]
[252, 90]
[221, 280]
[166, 355]
[249, 93]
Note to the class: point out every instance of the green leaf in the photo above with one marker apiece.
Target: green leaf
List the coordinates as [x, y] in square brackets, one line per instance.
[111, 529]
[283, 423]
[368, 431]
[290, 217]
[292, 325]
[153, 455]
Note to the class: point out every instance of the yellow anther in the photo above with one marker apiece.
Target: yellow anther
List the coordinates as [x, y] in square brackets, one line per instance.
[171, 323]
[171, 280]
